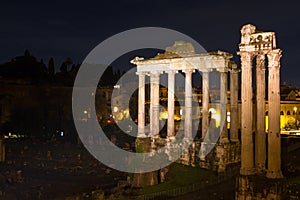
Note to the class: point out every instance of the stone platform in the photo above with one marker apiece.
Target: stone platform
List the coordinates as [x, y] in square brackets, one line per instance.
[220, 159]
[260, 188]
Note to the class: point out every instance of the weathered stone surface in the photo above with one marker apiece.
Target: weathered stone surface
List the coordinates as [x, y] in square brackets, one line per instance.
[234, 115]
[180, 48]
[221, 156]
[144, 179]
[141, 180]
[247, 162]
[258, 44]
[259, 188]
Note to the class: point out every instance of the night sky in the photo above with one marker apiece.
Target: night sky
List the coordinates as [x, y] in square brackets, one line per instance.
[63, 29]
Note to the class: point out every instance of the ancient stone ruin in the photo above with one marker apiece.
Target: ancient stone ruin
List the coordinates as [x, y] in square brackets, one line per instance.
[257, 150]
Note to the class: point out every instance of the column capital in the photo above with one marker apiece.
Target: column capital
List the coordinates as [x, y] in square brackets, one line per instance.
[223, 70]
[234, 71]
[274, 58]
[155, 73]
[171, 72]
[260, 56]
[246, 58]
[205, 70]
[260, 61]
[141, 73]
[232, 65]
[188, 71]
[154, 76]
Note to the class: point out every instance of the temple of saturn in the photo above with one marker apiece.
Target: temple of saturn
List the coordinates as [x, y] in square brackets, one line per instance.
[256, 146]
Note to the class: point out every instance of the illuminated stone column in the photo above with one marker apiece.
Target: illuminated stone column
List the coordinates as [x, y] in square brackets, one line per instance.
[171, 98]
[141, 105]
[234, 115]
[260, 137]
[205, 103]
[188, 105]
[223, 106]
[274, 147]
[247, 160]
[154, 103]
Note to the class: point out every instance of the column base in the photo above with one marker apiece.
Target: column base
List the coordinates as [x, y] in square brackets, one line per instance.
[234, 140]
[170, 138]
[186, 139]
[141, 135]
[202, 154]
[274, 174]
[224, 140]
[155, 136]
[247, 171]
[221, 168]
[260, 169]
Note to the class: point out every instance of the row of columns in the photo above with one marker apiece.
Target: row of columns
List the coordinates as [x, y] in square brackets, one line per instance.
[249, 165]
[154, 105]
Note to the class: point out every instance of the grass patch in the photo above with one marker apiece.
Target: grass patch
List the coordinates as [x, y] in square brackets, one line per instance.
[295, 180]
[180, 175]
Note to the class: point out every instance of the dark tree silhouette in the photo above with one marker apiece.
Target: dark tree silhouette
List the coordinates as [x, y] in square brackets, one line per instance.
[25, 68]
[68, 62]
[27, 54]
[107, 78]
[64, 68]
[51, 67]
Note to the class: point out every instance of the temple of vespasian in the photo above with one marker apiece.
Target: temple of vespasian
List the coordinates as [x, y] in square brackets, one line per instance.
[181, 56]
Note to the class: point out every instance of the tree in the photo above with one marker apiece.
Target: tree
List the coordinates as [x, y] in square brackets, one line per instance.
[68, 62]
[64, 68]
[107, 78]
[27, 54]
[51, 67]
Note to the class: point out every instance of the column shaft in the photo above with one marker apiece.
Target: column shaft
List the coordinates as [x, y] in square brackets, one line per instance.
[171, 98]
[154, 104]
[274, 146]
[260, 137]
[205, 103]
[188, 105]
[223, 107]
[141, 106]
[247, 160]
[234, 118]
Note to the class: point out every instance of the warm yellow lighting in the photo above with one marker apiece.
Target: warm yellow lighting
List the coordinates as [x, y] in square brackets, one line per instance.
[85, 112]
[216, 116]
[126, 113]
[177, 118]
[116, 109]
[119, 116]
[163, 115]
[212, 110]
[228, 118]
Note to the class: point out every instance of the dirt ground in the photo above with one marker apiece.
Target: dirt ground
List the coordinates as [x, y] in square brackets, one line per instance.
[52, 170]
[56, 169]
